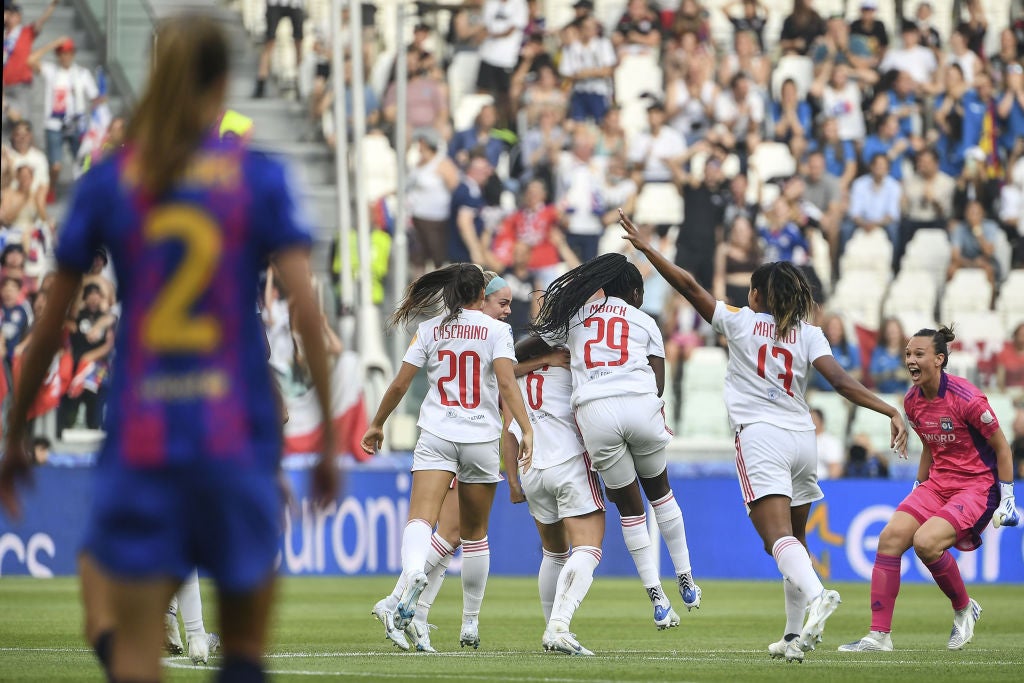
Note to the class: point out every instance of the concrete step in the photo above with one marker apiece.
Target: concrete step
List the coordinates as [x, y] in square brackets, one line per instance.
[321, 205]
[312, 162]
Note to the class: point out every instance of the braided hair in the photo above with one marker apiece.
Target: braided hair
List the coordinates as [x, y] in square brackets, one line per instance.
[455, 286]
[941, 339]
[787, 294]
[566, 296]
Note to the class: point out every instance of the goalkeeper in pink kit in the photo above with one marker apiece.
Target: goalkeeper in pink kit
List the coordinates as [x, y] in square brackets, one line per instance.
[965, 479]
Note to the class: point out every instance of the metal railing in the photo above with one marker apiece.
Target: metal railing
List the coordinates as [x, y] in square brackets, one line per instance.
[126, 30]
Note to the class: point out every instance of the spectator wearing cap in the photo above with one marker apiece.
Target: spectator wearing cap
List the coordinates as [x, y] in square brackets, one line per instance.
[505, 21]
[638, 30]
[70, 96]
[581, 10]
[914, 59]
[890, 142]
[930, 36]
[1011, 109]
[18, 75]
[801, 29]
[874, 201]
[431, 183]
[870, 29]
[589, 64]
[653, 150]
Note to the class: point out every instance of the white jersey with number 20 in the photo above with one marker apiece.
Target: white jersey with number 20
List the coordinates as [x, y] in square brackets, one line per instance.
[609, 342]
[462, 399]
[766, 378]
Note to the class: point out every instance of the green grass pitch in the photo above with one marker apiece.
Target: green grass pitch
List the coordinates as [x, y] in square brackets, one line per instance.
[324, 631]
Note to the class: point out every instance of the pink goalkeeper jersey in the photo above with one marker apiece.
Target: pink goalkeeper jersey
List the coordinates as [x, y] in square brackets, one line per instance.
[956, 425]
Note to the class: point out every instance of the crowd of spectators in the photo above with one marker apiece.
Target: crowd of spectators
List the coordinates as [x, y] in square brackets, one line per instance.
[55, 124]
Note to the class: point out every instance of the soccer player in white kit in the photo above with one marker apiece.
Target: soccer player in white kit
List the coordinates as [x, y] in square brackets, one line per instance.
[469, 357]
[771, 351]
[564, 496]
[446, 538]
[618, 373]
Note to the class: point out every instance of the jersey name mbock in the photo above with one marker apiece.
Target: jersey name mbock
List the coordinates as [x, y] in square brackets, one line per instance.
[609, 342]
[766, 378]
[556, 439]
[462, 399]
[956, 426]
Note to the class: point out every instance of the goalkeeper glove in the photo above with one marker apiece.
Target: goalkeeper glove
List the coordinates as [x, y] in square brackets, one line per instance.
[1006, 514]
[917, 482]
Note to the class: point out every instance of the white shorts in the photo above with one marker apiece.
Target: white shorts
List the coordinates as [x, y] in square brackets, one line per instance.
[631, 426]
[472, 463]
[775, 461]
[568, 489]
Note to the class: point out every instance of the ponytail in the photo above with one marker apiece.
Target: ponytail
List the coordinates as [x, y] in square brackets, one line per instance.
[786, 294]
[941, 339]
[189, 61]
[566, 295]
[454, 286]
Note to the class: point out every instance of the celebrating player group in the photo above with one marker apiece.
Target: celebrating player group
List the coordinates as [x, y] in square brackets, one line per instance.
[585, 419]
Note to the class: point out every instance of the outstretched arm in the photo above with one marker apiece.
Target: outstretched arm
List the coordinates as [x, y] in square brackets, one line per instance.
[682, 281]
[857, 393]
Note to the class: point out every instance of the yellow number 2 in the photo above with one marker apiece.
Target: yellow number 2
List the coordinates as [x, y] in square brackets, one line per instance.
[170, 326]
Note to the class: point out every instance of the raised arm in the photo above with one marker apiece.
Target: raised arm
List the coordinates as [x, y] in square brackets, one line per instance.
[855, 392]
[682, 281]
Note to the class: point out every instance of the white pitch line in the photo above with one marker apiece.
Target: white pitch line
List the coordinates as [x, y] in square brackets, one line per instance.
[44, 649]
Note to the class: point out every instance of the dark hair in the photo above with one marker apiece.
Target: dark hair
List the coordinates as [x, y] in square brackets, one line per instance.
[454, 286]
[565, 296]
[190, 59]
[785, 292]
[941, 339]
[876, 157]
[11, 249]
[91, 288]
[7, 279]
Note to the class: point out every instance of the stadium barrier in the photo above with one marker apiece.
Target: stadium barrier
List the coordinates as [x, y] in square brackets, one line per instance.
[361, 532]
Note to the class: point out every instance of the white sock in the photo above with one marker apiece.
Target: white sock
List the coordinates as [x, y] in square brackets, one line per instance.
[396, 594]
[415, 545]
[638, 543]
[574, 582]
[437, 567]
[795, 565]
[191, 605]
[476, 564]
[670, 523]
[796, 607]
[547, 579]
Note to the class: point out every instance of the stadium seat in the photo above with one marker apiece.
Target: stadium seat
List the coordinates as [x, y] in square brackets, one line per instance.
[1010, 304]
[978, 327]
[868, 251]
[913, 321]
[1002, 406]
[913, 291]
[968, 290]
[928, 250]
[379, 75]
[963, 364]
[859, 295]
[875, 426]
[772, 160]
[379, 167]
[633, 116]
[462, 76]
[799, 69]
[659, 204]
[705, 370]
[636, 75]
[704, 415]
[836, 410]
[464, 114]
[821, 259]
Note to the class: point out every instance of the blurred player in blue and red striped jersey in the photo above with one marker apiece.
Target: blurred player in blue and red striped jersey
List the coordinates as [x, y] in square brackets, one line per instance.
[188, 474]
[964, 479]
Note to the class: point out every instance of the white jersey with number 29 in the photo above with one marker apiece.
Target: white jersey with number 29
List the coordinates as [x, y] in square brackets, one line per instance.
[547, 392]
[766, 378]
[462, 399]
[609, 342]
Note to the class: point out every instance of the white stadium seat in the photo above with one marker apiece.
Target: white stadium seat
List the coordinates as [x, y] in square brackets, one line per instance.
[464, 115]
[379, 166]
[968, 290]
[636, 75]
[704, 415]
[873, 425]
[705, 370]
[659, 204]
[796, 68]
[772, 160]
[462, 76]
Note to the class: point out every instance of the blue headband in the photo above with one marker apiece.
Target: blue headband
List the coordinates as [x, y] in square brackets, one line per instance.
[494, 285]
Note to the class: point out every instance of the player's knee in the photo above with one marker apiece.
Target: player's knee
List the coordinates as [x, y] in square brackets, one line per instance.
[894, 541]
[927, 546]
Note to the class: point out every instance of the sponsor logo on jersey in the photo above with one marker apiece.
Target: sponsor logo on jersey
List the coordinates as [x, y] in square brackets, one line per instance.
[946, 424]
[451, 413]
[938, 438]
[773, 395]
[987, 417]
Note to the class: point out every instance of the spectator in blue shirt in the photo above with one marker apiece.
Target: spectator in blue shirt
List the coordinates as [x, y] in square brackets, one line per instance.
[888, 370]
[792, 116]
[900, 101]
[845, 353]
[840, 155]
[14, 317]
[949, 121]
[782, 238]
[888, 142]
[467, 242]
[480, 136]
[874, 201]
[1011, 108]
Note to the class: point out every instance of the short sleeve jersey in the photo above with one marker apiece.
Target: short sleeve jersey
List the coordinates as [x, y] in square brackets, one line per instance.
[956, 426]
[547, 393]
[462, 398]
[609, 342]
[766, 378]
[190, 377]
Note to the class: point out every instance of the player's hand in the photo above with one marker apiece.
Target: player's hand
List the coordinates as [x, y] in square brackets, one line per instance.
[1006, 514]
[15, 469]
[632, 234]
[898, 434]
[526, 451]
[515, 492]
[326, 477]
[559, 358]
[373, 439]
